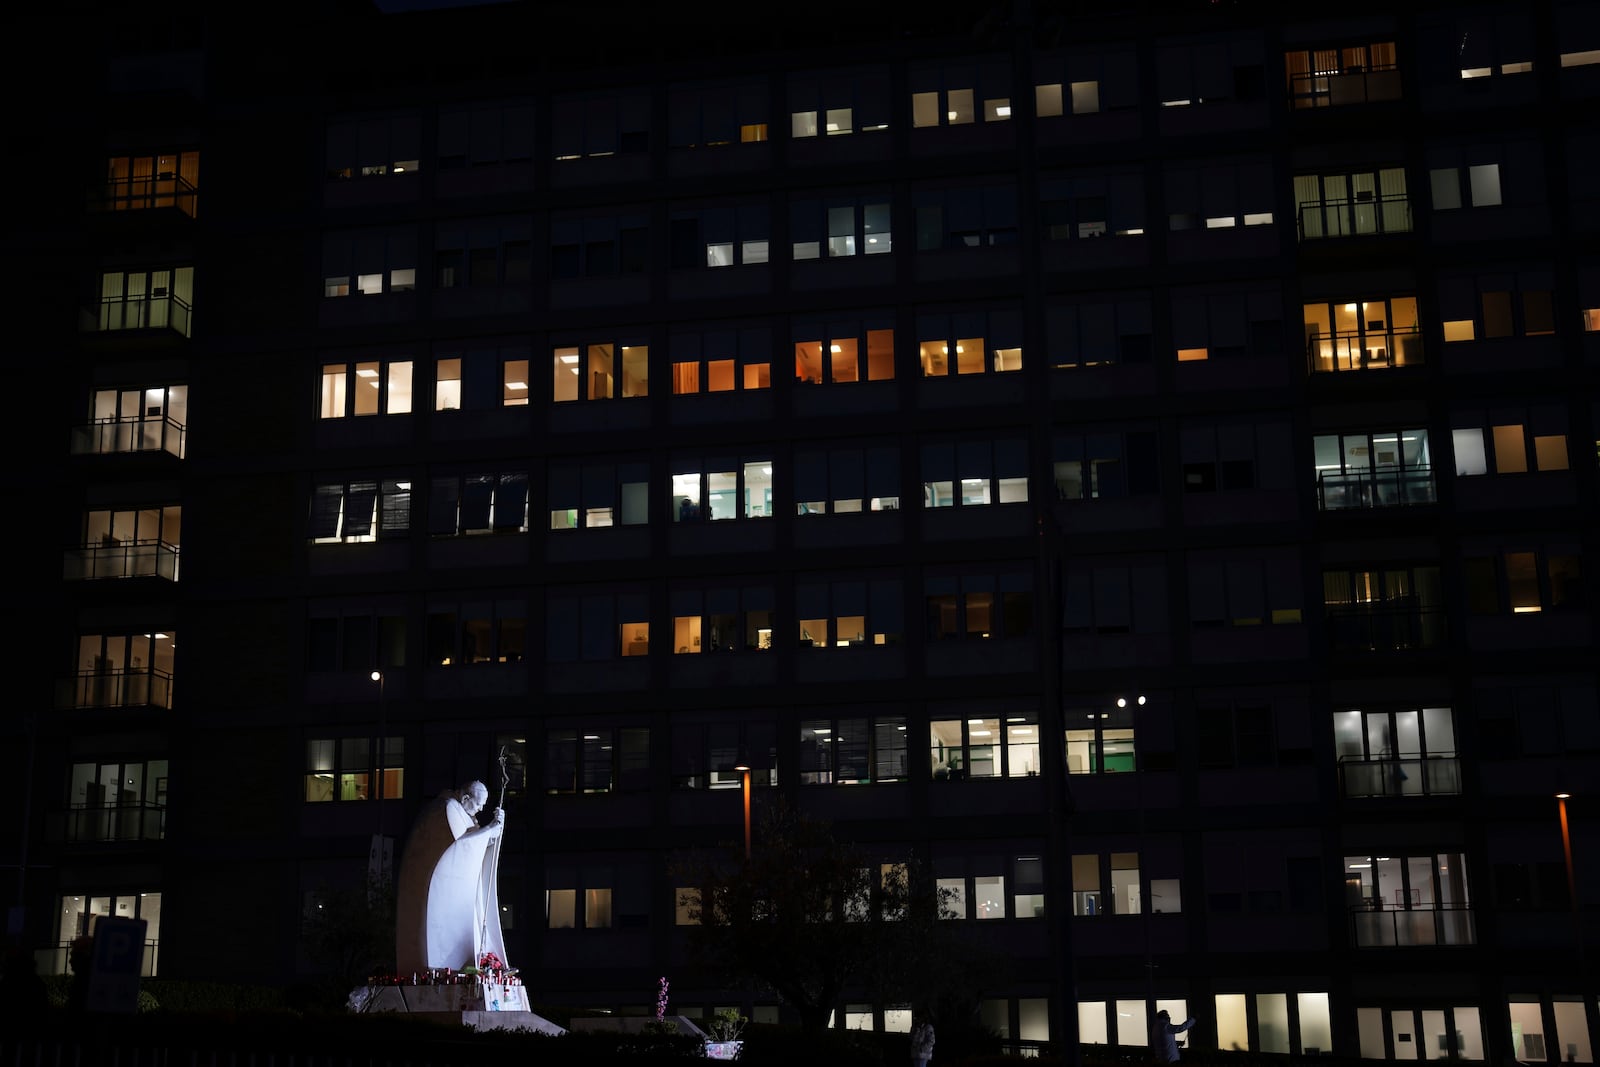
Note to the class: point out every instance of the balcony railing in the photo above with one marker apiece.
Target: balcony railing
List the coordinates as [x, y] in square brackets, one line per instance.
[125, 559]
[1400, 776]
[1344, 87]
[160, 311]
[1381, 626]
[1377, 927]
[145, 193]
[1355, 218]
[1386, 487]
[110, 436]
[122, 688]
[54, 960]
[1364, 350]
[120, 822]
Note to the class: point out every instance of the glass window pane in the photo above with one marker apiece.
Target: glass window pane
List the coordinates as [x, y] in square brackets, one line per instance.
[989, 896]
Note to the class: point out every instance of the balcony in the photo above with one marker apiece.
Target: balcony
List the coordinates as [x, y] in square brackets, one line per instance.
[159, 311]
[1399, 776]
[1363, 350]
[1316, 89]
[1380, 927]
[1355, 218]
[1382, 488]
[120, 687]
[112, 436]
[55, 960]
[116, 823]
[121, 559]
[1385, 626]
[164, 190]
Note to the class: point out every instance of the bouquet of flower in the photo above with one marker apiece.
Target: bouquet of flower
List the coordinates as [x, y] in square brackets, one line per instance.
[491, 965]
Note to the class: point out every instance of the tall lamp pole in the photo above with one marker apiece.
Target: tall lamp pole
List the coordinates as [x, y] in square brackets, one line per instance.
[744, 770]
[1572, 881]
[378, 862]
[1146, 903]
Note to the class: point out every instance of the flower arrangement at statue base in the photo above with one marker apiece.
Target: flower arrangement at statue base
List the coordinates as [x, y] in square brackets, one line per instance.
[489, 985]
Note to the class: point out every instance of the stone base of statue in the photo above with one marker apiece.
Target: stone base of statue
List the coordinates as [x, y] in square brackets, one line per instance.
[480, 1005]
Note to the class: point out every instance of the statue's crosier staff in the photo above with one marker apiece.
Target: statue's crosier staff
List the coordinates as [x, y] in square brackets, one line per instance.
[494, 859]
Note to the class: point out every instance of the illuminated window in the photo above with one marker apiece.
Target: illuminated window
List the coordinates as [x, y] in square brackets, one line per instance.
[720, 361]
[633, 638]
[342, 769]
[369, 387]
[838, 103]
[974, 473]
[1342, 76]
[849, 614]
[147, 299]
[369, 262]
[79, 914]
[600, 371]
[1363, 335]
[447, 385]
[128, 543]
[984, 747]
[1374, 469]
[125, 670]
[966, 343]
[718, 490]
[134, 418]
[1351, 203]
[1100, 740]
[167, 180]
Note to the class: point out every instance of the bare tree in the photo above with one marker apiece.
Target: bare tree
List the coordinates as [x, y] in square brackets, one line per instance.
[807, 916]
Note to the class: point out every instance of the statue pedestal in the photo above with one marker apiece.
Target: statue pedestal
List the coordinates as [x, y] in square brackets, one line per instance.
[480, 1005]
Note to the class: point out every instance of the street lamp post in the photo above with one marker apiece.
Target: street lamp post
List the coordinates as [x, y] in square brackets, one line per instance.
[378, 862]
[744, 770]
[1145, 901]
[1572, 881]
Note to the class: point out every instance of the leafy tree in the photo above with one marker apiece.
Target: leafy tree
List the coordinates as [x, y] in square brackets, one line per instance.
[807, 915]
[349, 933]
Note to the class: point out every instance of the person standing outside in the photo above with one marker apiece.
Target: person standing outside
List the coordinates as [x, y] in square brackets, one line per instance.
[921, 1043]
[1166, 1045]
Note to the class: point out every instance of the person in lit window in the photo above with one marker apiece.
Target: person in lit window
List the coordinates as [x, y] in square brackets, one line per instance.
[1164, 1042]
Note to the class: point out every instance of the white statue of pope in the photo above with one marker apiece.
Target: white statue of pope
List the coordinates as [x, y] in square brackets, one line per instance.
[447, 906]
